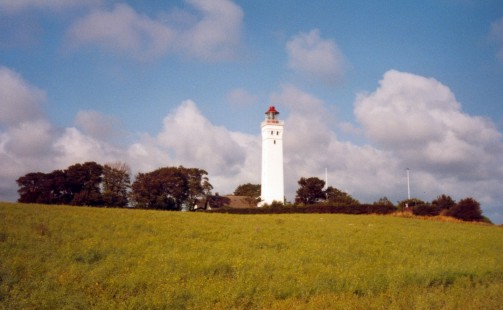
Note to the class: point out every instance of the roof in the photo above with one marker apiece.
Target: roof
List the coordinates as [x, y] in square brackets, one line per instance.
[241, 202]
[272, 109]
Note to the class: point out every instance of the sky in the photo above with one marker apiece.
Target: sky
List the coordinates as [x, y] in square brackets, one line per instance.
[367, 90]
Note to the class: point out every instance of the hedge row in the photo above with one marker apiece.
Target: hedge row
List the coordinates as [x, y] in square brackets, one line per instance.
[315, 208]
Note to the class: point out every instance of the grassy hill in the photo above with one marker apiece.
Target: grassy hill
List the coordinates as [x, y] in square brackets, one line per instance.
[54, 257]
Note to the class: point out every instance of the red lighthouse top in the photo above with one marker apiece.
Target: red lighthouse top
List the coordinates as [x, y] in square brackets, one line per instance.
[272, 110]
[270, 115]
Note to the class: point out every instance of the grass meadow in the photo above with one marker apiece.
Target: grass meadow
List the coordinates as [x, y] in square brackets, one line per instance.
[61, 257]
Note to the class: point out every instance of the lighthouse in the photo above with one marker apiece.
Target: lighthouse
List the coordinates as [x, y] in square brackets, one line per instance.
[272, 158]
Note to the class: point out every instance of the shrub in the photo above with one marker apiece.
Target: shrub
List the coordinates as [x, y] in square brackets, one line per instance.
[467, 209]
[444, 202]
[315, 208]
[410, 203]
[426, 210]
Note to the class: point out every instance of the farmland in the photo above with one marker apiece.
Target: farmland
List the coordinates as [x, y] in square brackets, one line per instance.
[78, 257]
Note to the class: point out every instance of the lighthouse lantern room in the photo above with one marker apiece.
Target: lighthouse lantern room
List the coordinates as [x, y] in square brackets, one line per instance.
[272, 188]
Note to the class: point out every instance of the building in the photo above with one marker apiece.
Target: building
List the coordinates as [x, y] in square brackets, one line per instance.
[272, 159]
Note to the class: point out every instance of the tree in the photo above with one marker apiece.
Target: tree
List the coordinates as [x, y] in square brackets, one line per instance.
[335, 195]
[199, 186]
[410, 203]
[444, 202]
[169, 188]
[310, 190]
[467, 209]
[31, 187]
[250, 191]
[383, 201]
[116, 182]
[55, 188]
[38, 187]
[217, 201]
[426, 209]
[83, 182]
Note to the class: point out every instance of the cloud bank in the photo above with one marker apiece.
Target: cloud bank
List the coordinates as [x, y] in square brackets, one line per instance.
[212, 35]
[315, 57]
[409, 121]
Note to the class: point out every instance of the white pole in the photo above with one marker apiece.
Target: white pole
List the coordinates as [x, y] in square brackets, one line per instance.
[326, 178]
[408, 184]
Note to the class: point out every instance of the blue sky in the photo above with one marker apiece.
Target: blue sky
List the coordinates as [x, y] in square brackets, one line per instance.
[366, 89]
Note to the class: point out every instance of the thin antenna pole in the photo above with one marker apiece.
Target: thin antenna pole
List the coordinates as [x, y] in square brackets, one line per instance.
[326, 178]
[408, 184]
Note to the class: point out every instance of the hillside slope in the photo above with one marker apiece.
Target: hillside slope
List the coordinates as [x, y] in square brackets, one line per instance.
[78, 257]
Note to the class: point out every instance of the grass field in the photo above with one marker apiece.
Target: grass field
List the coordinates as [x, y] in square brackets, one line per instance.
[54, 257]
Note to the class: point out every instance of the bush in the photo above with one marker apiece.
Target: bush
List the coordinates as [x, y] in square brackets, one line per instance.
[444, 202]
[426, 210]
[467, 209]
[409, 203]
[315, 208]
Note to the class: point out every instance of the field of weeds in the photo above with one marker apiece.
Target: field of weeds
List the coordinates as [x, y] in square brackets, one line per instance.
[54, 257]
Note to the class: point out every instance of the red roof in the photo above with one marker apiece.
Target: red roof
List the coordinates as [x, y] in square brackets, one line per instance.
[272, 109]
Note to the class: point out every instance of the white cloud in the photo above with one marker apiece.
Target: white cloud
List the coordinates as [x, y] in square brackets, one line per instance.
[217, 34]
[214, 34]
[29, 142]
[189, 139]
[311, 146]
[420, 120]
[123, 30]
[18, 101]
[316, 57]
[453, 152]
[497, 35]
[97, 125]
[31, 139]
[75, 147]
[196, 142]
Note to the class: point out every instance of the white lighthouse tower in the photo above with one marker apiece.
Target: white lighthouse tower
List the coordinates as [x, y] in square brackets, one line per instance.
[272, 158]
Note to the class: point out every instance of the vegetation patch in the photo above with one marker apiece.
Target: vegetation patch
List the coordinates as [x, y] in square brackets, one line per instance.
[121, 258]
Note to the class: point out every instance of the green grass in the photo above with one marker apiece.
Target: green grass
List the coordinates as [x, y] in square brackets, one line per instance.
[54, 257]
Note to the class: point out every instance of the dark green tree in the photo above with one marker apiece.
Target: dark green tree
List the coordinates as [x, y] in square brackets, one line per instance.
[83, 184]
[31, 187]
[337, 196]
[410, 203]
[467, 209]
[444, 202]
[169, 188]
[250, 191]
[56, 191]
[47, 188]
[217, 201]
[115, 185]
[310, 190]
[199, 186]
[383, 201]
[426, 209]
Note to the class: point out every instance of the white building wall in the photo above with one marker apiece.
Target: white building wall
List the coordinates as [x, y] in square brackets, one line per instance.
[272, 162]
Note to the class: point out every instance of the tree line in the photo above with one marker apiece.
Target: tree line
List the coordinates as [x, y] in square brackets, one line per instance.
[313, 197]
[91, 184]
[311, 191]
[177, 188]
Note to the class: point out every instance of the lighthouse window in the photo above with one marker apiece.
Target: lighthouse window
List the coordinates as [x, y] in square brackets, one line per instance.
[272, 132]
[277, 133]
[274, 141]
